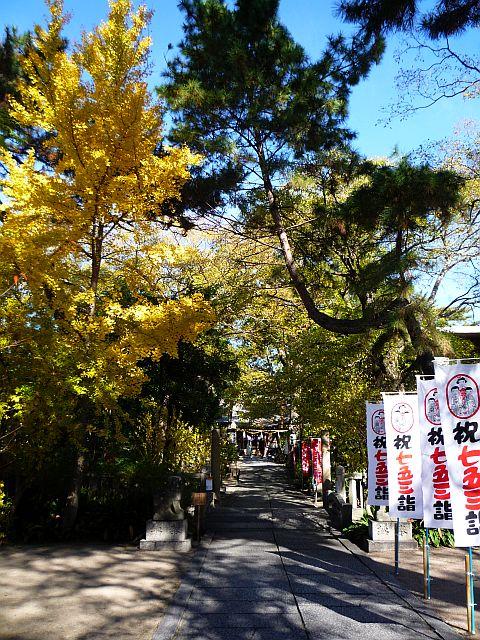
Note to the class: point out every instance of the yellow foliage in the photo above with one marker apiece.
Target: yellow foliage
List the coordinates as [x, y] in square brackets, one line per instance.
[85, 226]
[192, 449]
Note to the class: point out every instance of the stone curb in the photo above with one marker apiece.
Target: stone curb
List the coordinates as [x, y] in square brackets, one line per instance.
[424, 610]
[168, 626]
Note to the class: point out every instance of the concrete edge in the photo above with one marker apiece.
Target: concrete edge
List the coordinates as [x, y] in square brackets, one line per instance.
[421, 607]
[169, 624]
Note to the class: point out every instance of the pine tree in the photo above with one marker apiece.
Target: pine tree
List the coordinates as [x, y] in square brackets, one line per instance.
[447, 18]
[245, 94]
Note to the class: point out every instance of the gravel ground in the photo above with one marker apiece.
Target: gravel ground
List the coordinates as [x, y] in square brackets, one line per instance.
[85, 592]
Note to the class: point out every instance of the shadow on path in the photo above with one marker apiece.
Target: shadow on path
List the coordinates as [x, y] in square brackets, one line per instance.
[274, 571]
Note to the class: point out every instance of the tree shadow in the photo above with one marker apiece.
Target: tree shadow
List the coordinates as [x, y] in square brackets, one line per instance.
[259, 581]
[83, 592]
[269, 571]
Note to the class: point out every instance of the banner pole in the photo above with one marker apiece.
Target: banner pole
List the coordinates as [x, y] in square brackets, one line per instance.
[472, 589]
[425, 588]
[397, 544]
[429, 580]
[426, 566]
[314, 482]
[468, 586]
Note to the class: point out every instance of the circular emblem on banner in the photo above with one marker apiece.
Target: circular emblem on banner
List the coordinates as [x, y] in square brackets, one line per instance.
[402, 417]
[432, 407]
[462, 396]
[378, 422]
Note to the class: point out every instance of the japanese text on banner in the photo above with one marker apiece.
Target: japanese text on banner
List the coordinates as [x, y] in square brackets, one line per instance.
[377, 456]
[404, 456]
[305, 457]
[316, 446]
[458, 391]
[437, 506]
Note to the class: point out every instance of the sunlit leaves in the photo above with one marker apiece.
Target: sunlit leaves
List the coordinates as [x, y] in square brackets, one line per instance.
[89, 230]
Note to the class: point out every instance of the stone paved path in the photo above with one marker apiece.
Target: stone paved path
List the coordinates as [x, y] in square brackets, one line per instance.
[274, 572]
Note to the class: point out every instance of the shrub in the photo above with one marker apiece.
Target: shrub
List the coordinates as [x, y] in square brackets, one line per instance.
[5, 514]
[357, 532]
[436, 537]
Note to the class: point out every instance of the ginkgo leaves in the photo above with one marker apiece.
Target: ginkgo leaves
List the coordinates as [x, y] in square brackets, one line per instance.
[81, 228]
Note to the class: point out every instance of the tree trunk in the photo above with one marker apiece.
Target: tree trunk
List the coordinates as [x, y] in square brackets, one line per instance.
[96, 248]
[169, 436]
[425, 355]
[336, 325]
[424, 359]
[71, 505]
[20, 487]
[215, 462]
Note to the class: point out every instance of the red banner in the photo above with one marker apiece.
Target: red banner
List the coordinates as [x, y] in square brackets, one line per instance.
[305, 457]
[316, 446]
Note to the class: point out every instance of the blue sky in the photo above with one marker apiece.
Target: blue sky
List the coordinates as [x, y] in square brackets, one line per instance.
[310, 21]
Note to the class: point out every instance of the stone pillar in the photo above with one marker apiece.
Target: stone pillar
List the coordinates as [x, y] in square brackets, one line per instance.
[326, 468]
[166, 535]
[340, 482]
[355, 495]
[352, 491]
[168, 527]
[215, 462]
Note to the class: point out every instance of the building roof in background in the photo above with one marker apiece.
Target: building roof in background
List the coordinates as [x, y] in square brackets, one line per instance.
[467, 332]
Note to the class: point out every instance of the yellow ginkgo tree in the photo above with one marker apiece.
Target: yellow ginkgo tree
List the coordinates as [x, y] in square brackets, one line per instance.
[77, 228]
[85, 252]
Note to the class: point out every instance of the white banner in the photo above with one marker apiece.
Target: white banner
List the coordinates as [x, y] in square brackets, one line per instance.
[377, 456]
[404, 456]
[437, 507]
[458, 392]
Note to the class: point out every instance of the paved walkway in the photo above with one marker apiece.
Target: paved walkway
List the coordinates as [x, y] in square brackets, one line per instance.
[273, 571]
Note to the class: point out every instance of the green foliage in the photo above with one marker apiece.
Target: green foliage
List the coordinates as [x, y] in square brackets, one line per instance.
[10, 71]
[5, 514]
[192, 384]
[15, 136]
[442, 20]
[241, 80]
[320, 377]
[245, 95]
[128, 453]
[357, 532]
[402, 196]
[332, 379]
[436, 537]
[368, 229]
[228, 454]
